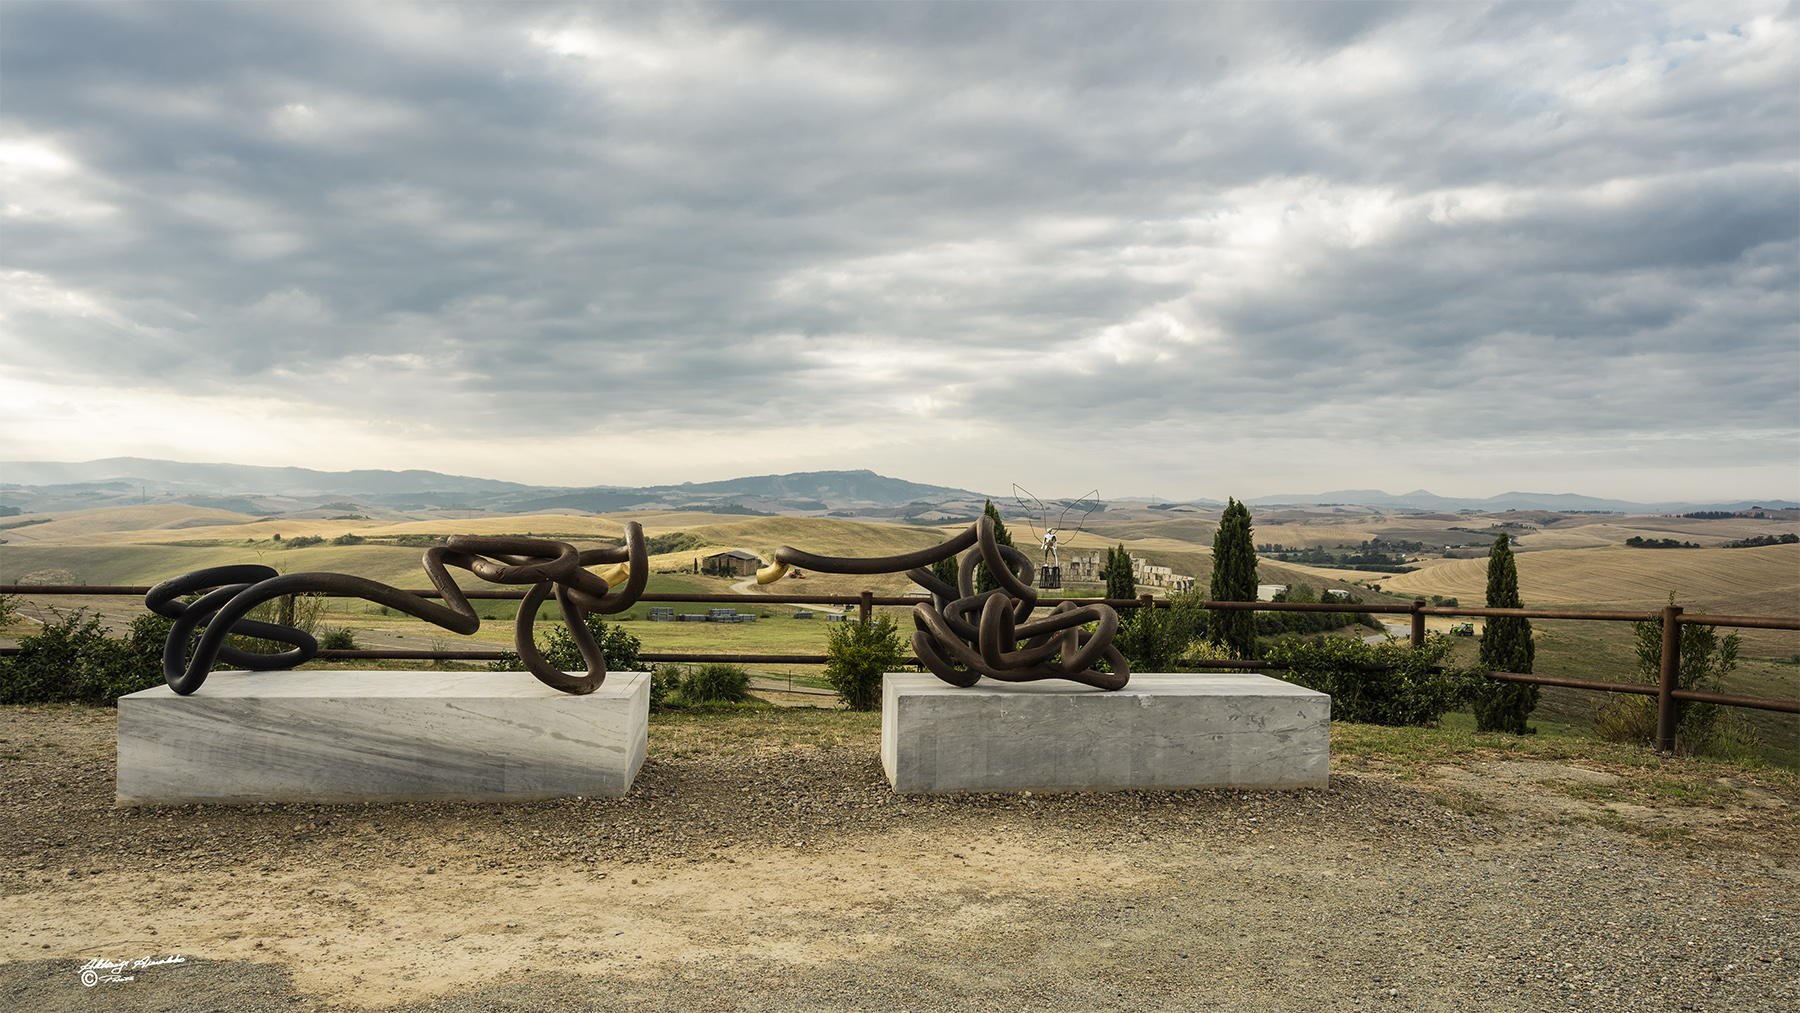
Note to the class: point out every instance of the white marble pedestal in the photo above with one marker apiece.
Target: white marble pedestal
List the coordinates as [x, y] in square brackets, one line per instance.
[380, 737]
[1160, 731]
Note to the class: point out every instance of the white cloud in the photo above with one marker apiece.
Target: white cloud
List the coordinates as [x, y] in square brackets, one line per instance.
[1230, 251]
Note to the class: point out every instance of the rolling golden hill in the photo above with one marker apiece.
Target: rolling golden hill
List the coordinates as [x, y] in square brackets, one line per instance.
[1719, 580]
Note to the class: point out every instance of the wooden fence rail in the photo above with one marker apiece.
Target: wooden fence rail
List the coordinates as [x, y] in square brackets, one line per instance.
[1666, 690]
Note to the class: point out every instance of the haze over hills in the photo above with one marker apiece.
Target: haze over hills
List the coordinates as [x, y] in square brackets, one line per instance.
[46, 486]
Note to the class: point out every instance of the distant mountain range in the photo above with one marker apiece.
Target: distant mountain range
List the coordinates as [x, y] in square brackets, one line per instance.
[45, 486]
[1419, 499]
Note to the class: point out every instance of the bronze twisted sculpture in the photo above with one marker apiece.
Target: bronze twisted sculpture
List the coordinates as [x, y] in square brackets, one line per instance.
[549, 567]
[959, 650]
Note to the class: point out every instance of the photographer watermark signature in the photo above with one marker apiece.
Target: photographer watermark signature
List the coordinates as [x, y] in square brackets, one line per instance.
[100, 969]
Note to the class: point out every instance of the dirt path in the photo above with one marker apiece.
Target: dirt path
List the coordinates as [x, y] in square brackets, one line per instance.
[791, 878]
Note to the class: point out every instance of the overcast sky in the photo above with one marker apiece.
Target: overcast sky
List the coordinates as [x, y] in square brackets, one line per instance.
[1184, 250]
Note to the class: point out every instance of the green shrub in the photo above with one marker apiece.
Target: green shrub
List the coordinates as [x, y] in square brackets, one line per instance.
[1403, 690]
[665, 683]
[298, 611]
[1273, 624]
[348, 539]
[558, 648]
[1154, 639]
[1705, 658]
[1202, 651]
[338, 638]
[858, 656]
[72, 660]
[714, 683]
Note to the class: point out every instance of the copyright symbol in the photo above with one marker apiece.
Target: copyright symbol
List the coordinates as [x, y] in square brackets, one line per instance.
[90, 979]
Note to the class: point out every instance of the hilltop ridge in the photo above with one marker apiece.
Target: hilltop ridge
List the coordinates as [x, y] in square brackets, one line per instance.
[49, 486]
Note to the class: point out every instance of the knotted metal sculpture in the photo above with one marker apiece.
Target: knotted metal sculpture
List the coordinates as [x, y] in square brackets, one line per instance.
[549, 567]
[960, 651]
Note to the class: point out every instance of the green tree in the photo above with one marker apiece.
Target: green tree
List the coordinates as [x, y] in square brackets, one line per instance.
[947, 570]
[985, 580]
[1506, 646]
[1119, 581]
[857, 657]
[1234, 579]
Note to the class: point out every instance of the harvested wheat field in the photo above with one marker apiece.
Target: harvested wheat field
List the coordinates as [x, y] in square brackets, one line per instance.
[1719, 580]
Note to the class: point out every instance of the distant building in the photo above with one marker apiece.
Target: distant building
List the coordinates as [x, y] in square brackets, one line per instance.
[1082, 569]
[1159, 576]
[735, 563]
[1086, 570]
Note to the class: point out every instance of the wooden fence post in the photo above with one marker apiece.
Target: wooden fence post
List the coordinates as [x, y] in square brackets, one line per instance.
[1418, 623]
[1671, 669]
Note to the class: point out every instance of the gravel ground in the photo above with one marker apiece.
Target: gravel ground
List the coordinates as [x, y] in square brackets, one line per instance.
[783, 874]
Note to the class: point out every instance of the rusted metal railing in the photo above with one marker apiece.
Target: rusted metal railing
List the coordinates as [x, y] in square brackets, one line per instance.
[1666, 690]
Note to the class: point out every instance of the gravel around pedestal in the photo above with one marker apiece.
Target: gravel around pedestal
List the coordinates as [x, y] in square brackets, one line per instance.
[783, 874]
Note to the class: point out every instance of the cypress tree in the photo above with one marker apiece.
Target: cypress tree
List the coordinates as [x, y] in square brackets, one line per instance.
[984, 577]
[1119, 581]
[1234, 579]
[946, 570]
[1505, 647]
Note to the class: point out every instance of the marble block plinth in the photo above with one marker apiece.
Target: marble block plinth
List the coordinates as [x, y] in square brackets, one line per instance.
[380, 737]
[1160, 731]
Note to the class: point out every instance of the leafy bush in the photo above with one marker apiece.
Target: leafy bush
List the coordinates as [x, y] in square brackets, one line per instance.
[858, 656]
[305, 540]
[1705, 658]
[620, 648]
[348, 539]
[1380, 684]
[714, 683]
[665, 683]
[1154, 639]
[1270, 624]
[1202, 651]
[299, 611]
[72, 660]
[338, 638]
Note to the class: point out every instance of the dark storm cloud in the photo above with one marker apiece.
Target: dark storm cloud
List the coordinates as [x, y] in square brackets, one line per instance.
[1301, 218]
